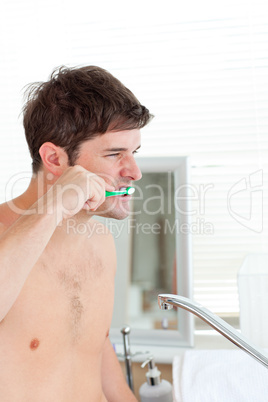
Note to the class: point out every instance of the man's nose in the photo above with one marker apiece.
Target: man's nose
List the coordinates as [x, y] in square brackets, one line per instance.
[131, 169]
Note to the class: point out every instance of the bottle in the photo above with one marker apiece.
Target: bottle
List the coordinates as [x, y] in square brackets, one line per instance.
[155, 389]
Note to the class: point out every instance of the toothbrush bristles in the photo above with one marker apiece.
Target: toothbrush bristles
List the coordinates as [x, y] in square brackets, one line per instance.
[130, 190]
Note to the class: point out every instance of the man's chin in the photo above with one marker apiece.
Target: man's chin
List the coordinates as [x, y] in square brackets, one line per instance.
[114, 210]
[118, 215]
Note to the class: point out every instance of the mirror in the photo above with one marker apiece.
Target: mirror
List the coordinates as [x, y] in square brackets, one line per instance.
[154, 255]
[153, 246]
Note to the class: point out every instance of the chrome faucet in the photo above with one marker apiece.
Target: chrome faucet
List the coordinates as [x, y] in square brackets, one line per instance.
[167, 301]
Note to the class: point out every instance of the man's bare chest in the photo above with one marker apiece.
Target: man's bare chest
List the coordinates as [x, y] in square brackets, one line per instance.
[73, 278]
[61, 297]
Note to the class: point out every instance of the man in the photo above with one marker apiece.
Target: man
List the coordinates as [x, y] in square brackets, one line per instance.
[56, 285]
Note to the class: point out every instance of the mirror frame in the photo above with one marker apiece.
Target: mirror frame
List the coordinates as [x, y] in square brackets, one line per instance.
[184, 335]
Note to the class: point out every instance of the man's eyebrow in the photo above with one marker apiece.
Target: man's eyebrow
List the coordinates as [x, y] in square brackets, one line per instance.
[118, 149]
[115, 149]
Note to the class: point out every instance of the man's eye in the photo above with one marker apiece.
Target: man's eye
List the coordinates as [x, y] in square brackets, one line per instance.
[113, 154]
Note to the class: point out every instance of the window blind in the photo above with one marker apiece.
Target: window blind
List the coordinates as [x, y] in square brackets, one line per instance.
[202, 71]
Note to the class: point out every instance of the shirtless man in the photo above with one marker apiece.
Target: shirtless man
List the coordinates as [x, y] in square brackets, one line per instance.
[56, 285]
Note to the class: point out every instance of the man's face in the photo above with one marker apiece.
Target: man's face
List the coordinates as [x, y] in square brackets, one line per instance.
[112, 157]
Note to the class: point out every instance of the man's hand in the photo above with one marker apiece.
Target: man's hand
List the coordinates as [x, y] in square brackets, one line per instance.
[75, 190]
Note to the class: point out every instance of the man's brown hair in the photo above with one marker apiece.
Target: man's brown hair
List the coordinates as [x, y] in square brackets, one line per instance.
[75, 105]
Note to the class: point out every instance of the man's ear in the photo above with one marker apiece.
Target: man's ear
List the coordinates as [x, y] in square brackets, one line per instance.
[54, 158]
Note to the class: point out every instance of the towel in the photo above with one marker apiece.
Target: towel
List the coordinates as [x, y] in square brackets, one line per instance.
[219, 376]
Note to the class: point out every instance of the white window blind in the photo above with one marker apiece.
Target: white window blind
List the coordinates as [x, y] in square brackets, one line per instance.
[203, 72]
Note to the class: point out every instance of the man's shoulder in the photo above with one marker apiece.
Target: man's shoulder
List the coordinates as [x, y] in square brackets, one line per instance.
[7, 217]
[3, 228]
[4, 218]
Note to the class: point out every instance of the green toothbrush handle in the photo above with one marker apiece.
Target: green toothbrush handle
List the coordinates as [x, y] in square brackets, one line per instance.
[128, 190]
[111, 193]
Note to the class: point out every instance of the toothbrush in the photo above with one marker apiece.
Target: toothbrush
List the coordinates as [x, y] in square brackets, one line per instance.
[123, 191]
